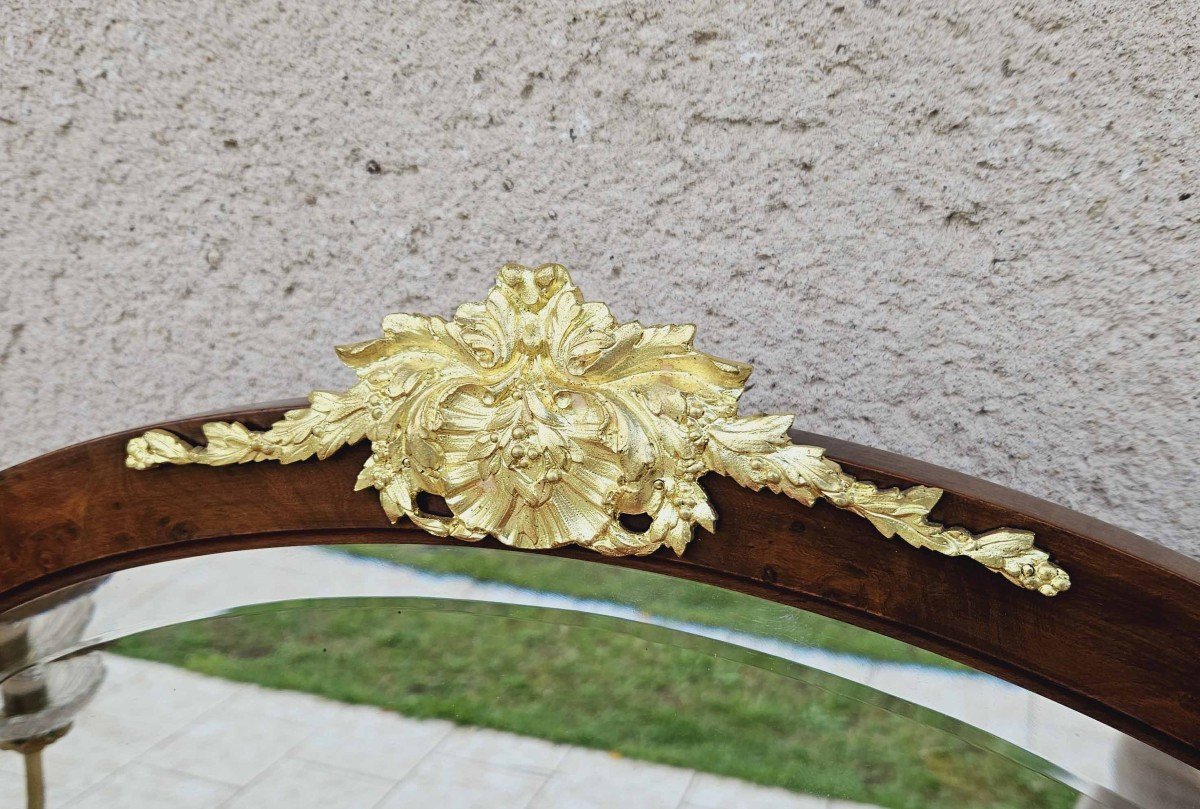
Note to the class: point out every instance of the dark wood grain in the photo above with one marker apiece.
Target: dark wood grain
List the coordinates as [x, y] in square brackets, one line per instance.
[1121, 645]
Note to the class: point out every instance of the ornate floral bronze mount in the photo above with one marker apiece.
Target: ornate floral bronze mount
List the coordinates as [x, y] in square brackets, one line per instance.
[541, 421]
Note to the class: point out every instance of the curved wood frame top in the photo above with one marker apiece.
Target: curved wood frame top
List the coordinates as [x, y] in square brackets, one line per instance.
[1118, 646]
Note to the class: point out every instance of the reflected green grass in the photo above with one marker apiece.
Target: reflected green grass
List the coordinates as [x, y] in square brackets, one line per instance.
[583, 685]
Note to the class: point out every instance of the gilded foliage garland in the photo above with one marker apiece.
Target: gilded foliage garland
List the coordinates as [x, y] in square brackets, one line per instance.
[541, 419]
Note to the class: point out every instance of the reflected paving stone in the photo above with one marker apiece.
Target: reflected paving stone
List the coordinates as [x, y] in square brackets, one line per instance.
[980, 701]
[12, 785]
[258, 747]
[140, 785]
[590, 779]
[125, 593]
[185, 589]
[231, 745]
[1079, 744]
[451, 782]
[169, 697]
[504, 749]
[292, 784]
[97, 745]
[295, 706]
[716, 792]
[374, 742]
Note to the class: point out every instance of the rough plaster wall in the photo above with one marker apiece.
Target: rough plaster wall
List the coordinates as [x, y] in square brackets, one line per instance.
[958, 231]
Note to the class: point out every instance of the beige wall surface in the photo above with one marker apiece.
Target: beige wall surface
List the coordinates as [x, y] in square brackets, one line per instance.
[965, 232]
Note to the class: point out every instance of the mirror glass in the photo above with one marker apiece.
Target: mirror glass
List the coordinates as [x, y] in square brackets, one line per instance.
[382, 676]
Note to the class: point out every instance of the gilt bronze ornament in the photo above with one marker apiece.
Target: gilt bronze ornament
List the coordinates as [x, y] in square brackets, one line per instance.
[541, 420]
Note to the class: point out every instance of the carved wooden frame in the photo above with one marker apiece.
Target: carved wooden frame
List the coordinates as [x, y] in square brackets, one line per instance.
[1120, 645]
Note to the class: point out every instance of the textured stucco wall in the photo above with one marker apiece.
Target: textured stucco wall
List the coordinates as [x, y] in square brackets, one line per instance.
[957, 231]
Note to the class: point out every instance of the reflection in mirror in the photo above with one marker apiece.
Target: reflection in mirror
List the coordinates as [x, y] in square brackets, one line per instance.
[409, 674]
[43, 695]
